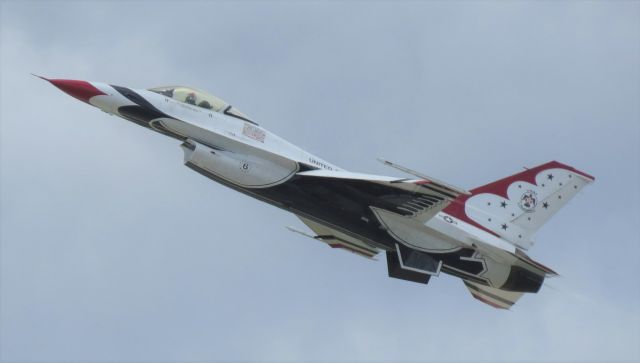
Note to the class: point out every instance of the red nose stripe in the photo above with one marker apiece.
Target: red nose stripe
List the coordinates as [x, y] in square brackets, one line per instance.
[79, 89]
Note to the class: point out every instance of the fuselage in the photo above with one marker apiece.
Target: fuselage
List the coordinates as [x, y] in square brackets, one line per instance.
[226, 146]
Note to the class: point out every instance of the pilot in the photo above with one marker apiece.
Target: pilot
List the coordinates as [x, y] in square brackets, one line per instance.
[191, 98]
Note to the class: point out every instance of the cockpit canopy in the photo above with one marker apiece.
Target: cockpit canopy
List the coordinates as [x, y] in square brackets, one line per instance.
[201, 99]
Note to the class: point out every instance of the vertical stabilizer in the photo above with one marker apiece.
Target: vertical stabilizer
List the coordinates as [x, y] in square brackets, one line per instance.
[515, 207]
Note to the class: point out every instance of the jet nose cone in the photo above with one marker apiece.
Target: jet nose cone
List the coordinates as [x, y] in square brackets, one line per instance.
[81, 90]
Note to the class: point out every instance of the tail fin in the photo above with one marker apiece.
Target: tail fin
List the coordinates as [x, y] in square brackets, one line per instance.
[516, 206]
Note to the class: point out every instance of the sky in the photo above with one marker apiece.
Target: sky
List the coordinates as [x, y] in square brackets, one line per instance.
[112, 250]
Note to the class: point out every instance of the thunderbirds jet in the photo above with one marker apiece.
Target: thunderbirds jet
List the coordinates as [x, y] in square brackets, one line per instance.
[424, 226]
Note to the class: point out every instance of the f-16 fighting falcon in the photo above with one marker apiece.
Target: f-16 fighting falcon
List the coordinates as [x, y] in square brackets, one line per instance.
[424, 226]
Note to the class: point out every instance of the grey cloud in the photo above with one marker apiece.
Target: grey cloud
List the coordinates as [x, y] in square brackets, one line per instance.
[112, 250]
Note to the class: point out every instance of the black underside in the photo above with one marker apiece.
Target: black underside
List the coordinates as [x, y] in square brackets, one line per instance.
[343, 205]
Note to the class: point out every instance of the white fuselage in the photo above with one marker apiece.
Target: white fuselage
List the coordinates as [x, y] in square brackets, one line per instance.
[424, 225]
[238, 138]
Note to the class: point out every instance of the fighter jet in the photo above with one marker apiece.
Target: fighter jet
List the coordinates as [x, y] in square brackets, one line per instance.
[424, 226]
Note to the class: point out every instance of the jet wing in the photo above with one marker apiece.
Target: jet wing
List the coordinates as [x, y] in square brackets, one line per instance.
[337, 239]
[417, 198]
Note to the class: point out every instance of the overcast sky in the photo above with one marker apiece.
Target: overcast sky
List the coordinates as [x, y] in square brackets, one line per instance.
[112, 250]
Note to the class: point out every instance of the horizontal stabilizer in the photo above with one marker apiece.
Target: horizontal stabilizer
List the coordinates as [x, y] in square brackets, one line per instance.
[496, 298]
[528, 260]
